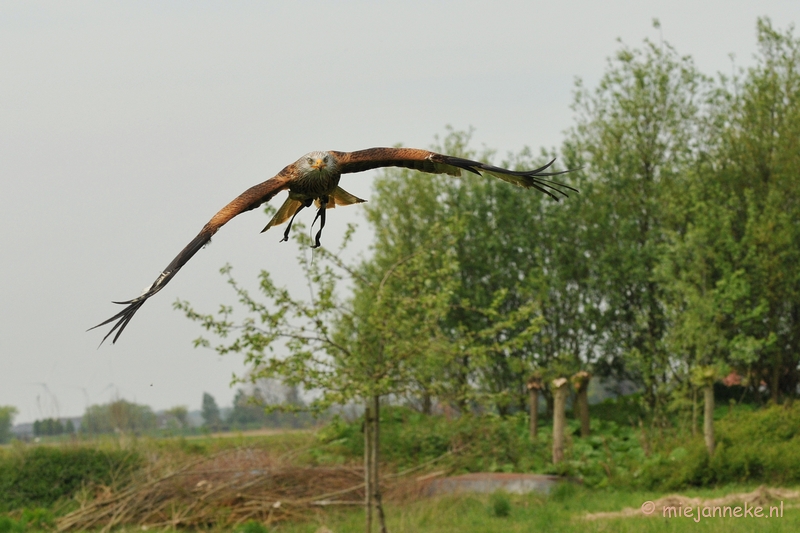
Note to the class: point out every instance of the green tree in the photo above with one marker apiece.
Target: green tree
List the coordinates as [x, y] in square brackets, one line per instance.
[48, 427]
[248, 411]
[7, 414]
[729, 269]
[493, 231]
[178, 417]
[97, 419]
[758, 290]
[118, 416]
[210, 412]
[636, 132]
[561, 249]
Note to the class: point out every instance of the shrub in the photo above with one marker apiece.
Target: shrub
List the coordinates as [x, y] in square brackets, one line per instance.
[757, 446]
[622, 410]
[500, 504]
[752, 446]
[40, 476]
[490, 443]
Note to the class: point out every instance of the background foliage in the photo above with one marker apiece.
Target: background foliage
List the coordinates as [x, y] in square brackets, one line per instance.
[678, 258]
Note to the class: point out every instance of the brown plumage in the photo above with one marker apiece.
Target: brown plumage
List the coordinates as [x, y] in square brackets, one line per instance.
[314, 178]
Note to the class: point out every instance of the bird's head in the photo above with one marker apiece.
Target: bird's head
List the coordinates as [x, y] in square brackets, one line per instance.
[322, 162]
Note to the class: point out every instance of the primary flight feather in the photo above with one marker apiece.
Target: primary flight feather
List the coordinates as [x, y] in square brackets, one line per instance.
[314, 178]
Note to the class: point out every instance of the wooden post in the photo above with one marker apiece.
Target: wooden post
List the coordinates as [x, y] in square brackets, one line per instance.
[534, 386]
[560, 392]
[581, 383]
[704, 377]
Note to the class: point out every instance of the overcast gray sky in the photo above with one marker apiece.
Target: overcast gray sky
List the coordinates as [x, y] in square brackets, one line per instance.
[125, 125]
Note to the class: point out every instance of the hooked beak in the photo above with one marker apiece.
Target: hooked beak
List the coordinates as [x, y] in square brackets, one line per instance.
[318, 164]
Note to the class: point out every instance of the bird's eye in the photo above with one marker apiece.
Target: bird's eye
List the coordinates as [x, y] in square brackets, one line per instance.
[310, 161]
[325, 159]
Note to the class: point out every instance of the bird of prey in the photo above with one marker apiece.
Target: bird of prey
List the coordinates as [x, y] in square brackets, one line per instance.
[314, 178]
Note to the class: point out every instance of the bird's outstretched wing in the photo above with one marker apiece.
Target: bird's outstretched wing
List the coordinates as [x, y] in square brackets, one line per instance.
[249, 199]
[426, 161]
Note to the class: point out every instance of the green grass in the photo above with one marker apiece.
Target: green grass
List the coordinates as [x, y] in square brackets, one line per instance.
[561, 512]
[205, 444]
[285, 441]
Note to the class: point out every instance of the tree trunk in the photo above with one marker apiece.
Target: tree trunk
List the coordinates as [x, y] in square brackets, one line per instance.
[534, 401]
[694, 411]
[368, 466]
[560, 393]
[708, 418]
[581, 381]
[462, 380]
[583, 412]
[534, 386]
[376, 439]
[427, 403]
[776, 381]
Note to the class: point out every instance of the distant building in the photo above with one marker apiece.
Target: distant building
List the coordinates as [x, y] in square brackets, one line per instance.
[23, 431]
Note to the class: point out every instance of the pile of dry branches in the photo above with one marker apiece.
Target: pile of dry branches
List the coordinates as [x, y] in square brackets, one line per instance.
[225, 489]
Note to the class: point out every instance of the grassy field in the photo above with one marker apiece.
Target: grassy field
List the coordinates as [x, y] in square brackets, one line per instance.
[564, 511]
[755, 447]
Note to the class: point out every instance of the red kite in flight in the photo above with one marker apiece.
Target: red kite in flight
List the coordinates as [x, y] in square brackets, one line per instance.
[314, 178]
